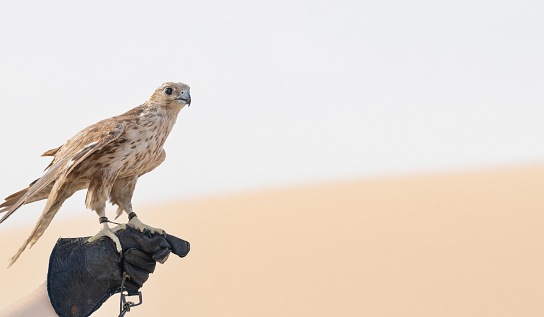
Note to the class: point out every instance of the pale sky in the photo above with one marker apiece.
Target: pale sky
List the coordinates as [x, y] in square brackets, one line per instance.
[284, 92]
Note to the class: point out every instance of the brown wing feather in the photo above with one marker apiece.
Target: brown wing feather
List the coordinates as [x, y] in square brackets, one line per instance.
[66, 158]
[51, 152]
[83, 144]
[78, 148]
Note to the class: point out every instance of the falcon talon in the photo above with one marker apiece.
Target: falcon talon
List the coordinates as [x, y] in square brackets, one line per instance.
[137, 224]
[107, 232]
[106, 158]
[119, 227]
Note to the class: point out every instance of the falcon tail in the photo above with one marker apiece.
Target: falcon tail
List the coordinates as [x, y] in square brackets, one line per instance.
[43, 223]
[55, 199]
[13, 199]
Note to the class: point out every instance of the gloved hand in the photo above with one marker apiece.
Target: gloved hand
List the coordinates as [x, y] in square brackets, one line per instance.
[82, 275]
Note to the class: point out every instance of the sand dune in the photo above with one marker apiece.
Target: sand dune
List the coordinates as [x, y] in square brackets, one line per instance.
[458, 244]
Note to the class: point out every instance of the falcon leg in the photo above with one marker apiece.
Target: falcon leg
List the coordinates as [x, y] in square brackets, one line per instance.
[135, 223]
[121, 195]
[97, 194]
[106, 231]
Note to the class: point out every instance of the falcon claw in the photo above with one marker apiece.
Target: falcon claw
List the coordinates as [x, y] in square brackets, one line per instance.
[119, 227]
[107, 232]
[137, 224]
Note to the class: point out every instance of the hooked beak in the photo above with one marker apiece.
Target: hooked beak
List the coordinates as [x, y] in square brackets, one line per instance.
[184, 97]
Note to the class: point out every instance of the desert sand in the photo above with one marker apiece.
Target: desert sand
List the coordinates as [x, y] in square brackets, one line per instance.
[467, 243]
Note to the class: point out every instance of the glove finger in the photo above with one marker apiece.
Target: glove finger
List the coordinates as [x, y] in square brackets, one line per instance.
[179, 246]
[135, 283]
[145, 241]
[161, 255]
[136, 274]
[139, 259]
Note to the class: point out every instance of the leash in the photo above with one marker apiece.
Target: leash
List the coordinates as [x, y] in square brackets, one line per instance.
[124, 306]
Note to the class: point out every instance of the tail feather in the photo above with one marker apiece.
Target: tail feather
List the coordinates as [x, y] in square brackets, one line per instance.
[54, 202]
[38, 231]
[13, 199]
[52, 175]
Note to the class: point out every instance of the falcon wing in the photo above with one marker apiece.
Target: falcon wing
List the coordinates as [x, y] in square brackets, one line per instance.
[70, 155]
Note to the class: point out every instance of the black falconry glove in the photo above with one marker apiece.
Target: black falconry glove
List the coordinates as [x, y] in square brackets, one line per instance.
[82, 275]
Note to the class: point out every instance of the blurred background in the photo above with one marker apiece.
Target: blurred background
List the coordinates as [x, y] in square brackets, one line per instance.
[285, 93]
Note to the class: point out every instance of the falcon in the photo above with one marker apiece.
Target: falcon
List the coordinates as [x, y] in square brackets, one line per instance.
[106, 158]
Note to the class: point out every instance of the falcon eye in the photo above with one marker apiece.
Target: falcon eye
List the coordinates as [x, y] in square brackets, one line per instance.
[168, 90]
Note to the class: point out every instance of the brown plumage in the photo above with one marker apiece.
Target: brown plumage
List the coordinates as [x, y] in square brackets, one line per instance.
[106, 158]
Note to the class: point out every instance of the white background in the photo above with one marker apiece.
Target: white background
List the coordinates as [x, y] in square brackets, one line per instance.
[284, 92]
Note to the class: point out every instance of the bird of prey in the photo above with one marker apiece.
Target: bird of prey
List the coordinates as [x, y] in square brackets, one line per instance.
[105, 158]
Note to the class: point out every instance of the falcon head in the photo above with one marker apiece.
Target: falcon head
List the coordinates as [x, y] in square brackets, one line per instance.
[172, 94]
